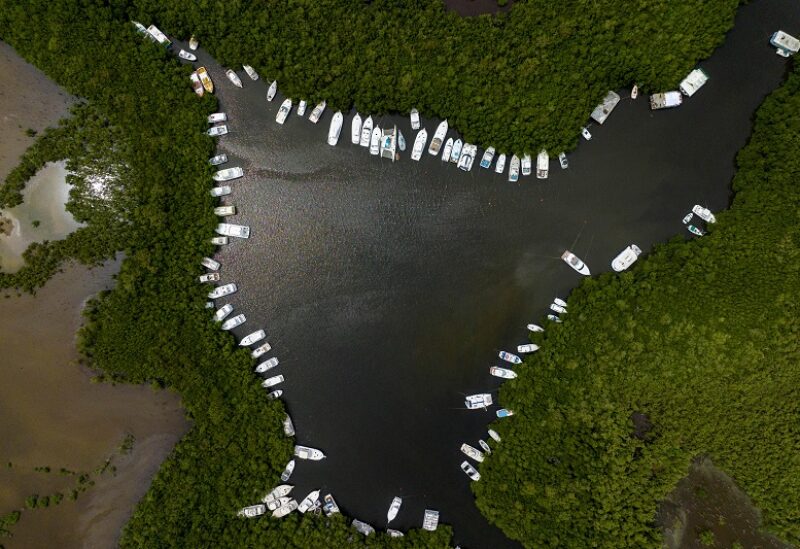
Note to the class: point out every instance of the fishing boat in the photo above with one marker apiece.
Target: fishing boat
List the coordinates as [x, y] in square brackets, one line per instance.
[224, 211]
[330, 507]
[438, 138]
[254, 337]
[273, 89]
[366, 132]
[210, 264]
[272, 381]
[586, 135]
[219, 240]
[193, 43]
[414, 119]
[285, 509]
[231, 229]
[197, 86]
[526, 348]
[573, 261]
[218, 159]
[234, 78]
[634, 91]
[233, 322]
[557, 308]
[419, 144]
[216, 131]
[222, 291]
[261, 350]
[362, 527]
[455, 154]
[525, 164]
[217, 117]
[394, 533]
[467, 157]
[500, 167]
[504, 373]
[626, 258]
[479, 400]
[355, 129]
[704, 213]
[430, 520]
[283, 111]
[494, 435]
[562, 159]
[273, 395]
[554, 318]
[317, 112]
[228, 174]
[401, 141]
[301, 107]
[253, 511]
[503, 412]
[485, 446]
[183, 54]
[288, 426]
[513, 171]
[210, 277]
[559, 301]
[394, 508]
[488, 156]
[335, 128]
[695, 230]
[448, 150]
[251, 72]
[470, 471]
[305, 452]
[474, 453]
[287, 471]
[509, 357]
[223, 190]
[268, 364]
[374, 142]
[542, 165]
[205, 79]
[535, 328]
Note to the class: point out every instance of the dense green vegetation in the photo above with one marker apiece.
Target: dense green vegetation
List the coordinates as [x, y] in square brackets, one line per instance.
[520, 80]
[696, 351]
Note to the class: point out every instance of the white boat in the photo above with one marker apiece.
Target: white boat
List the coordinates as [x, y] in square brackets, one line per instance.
[419, 144]
[562, 159]
[210, 277]
[513, 171]
[205, 79]
[355, 129]
[666, 100]
[470, 471]
[273, 89]
[535, 328]
[210, 264]
[559, 301]
[218, 159]
[525, 164]
[467, 157]
[228, 174]
[634, 91]
[573, 261]
[485, 446]
[330, 507]
[488, 156]
[155, 33]
[394, 508]
[448, 150]
[233, 322]
[695, 230]
[363, 527]
[557, 308]
[430, 520]
[222, 291]
[281, 491]
[500, 167]
[216, 131]
[224, 211]
[366, 132]
[401, 141]
[693, 82]
[273, 395]
[414, 119]
[438, 138]
[479, 400]
[317, 112]
[474, 453]
[603, 110]
[231, 229]
[335, 128]
[626, 258]
[585, 133]
[388, 143]
[288, 470]
[288, 427]
[786, 45]
[285, 509]
[219, 240]
[504, 373]
[455, 154]
[268, 364]
[375, 142]
[301, 107]
[251, 72]
[394, 533]
[494, 435]
[253, 511]
[183, 54]
[217, 117]
[197, 85]
[542, 165]
[193, 43]
[283, 111]
[688, 217]
[305, 452]
[254, 337]
[261, 350]
[272, 381]
[554, 318]
[704, 213]
[509, 357]
[234, 78]
[276, 503]
[503, 412]
[526, 348]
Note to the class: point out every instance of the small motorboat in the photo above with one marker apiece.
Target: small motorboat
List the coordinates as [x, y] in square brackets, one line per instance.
[197, 86]
[210, 277]
[316, 114]
[562, 159]
[480, 400]
[526, 348]
[366, 132]
[401, 141]
[694, 230]
[394, 508]
[223, 190]
[218, 159]
[513, 171]
[448, 150]
[455, 154]
[488, 156]
[414, 119]
[687, 218]
[559, 301]
[557, 308]
[626, 258]
[474, 453]
[573, 261]
[504, 412]
[275, 395]
[419, 144]
[330, 507]
[375, 142]
[394, 533]
[504, 373]
[222, 291]
[500, 167]
[219, 240]
[509, 357]
[183, 54]
[223, 312]
[272, 381]
[216, 131]
[586, 135]
[305, 452]
[278, 502]
[363, 527]
[355, 129]
[261, 350]
[438, 138]
[210, 264]
[224, 211]
[251, 72]
[335, 129]
[535, 328]
[234, 78]
[254, 337]
[283, 111]
[268, 364]
[208, 84]
[308, 501]
[228, 174]
[542, 165]
[494, 435]
[288, 426]
[485, 446]
[273, 89]
[525, 164]
[301, 107]
[704, 213]
[467, 157]
[193, 43]
[232, 323]
[253, 511]
[634, 91]
[554, 318]
[216, 118]
[285, 509]
[470, 471]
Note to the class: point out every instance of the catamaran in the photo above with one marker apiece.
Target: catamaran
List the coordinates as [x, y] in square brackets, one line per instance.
[308, 501]
[474, 453]
[228, 174]
[704, 213]
[500, 167]
[254, 337]
[470, 471]
[197, 86]
[505, 373]
[503, 412]
[210, 277]
[509, 357]
[217, 117]
[438, 138]
[273, 89]
[419, 144]
[414, 119]
[355, 129]
[202, 73]
[573, 261]
[494, 435]
[366, 132]
[222, 291]
[253, 511]
[448, 150]
[394, 508]
[234, 78]
[488, 156]
[218, 159]
[193, 43]
[626, 258]
[455, 154]
[210, 264]
[231, 229]
[526, 165]
[305, 452]
[224, 211]
[183, 54]
[301, 107]
[288, 426]
[224, 190]
[526, 348]
[513, 171]
[535, 328]
[375, 142]
[261, 350]
[317, 112]
[287, 472]
[251, 72]
[233, 322]
[283, 112]
[542, 164]
[272, 381]
[335, 128]
[562, 159]
[479, 400]
[268, 364]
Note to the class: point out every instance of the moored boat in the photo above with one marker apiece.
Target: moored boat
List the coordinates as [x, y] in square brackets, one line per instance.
[208, 84]
[285, 509]
[288, 470]
[306, 452]
[232, 229]
[504, 373]
[233, 322]
[494, 435]
[626, 258]
[500, 166]
[562, 160]
[261, 350]
[193, 43]
[355, 129]
[504, 412]
[585, 133]
[438, 138]
[217, 117]
[183, 54]
[602, 111]
[219, 240]
[559, 301]
[394, 533]
[467, 157]
[513, 170]
[224, 211]
[273, 395]
[222, 291]
[210, 277]
[474, 453]
[223, 190]
[394, 508]
[254, 337]
[288, 426]
[272, 381]
[210, 264]
[278, 502]
[335, 129]
[479, 400]
[488, 156]
[704, 213]
[542, 165]
[419, 144]
[228, 174]
[234, 78]
[695, 230]
[634, 91]
[283, 111]
[366, 132]
[414, 119]
[330, 507]
[216, 131]
[470, 471]
[401, 141]
[448, 150]
[253, 511]
[525, 165]
[197, 85]
[251, 72]
[317, 112]
[557, 308]
[268, 364]
[509, 357]
[272, 90]
[535, 328]
[574, 261]
[455, 154]
[665, 100]
[375, 142]
[430, 520]
[693, 82]
[554, 318]
[218, 159]
[363, 527]
[485, 446]
[301, 107]
[526, 348]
